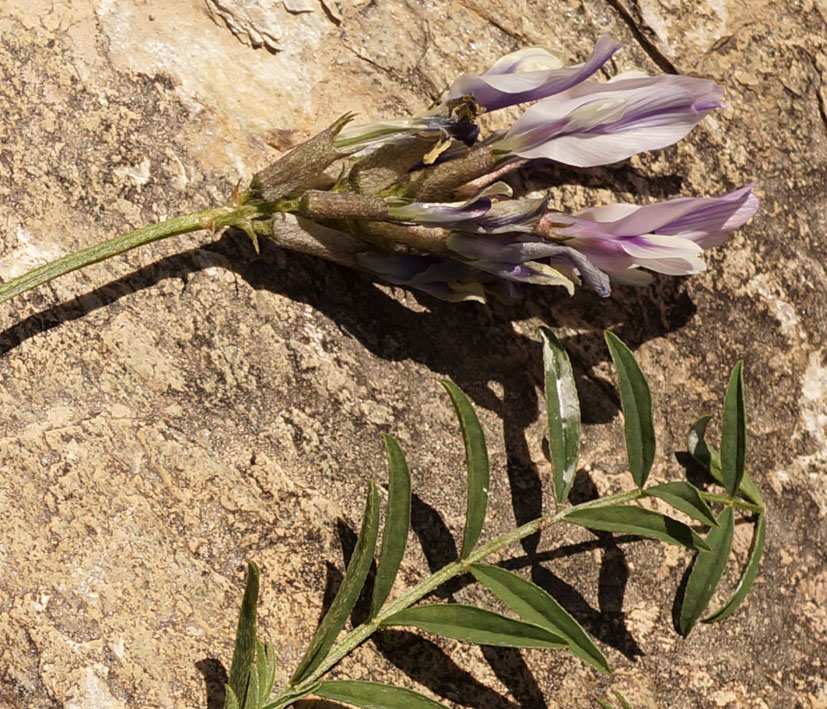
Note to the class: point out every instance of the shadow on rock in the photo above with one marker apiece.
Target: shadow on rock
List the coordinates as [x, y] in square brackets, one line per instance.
[215, 678]
[484, 353]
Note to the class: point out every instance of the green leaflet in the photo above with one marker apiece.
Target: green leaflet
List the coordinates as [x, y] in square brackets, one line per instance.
[230, 700]
[734, 432]
[563, 414]
[262, 678]
[756, 549]
[708, 458]
[374, 695]
[476, 457]
[605, 705]
[636, 400]
[348, 594]
[636, 520]
[706, 571]
[397, 523]
[535, 605]
[685, 497]
[475, 625]
[245, 637]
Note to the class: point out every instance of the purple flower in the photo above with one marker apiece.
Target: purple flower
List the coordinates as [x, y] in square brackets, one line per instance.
[444, 214]
[440, 277]
[597, 124]
[480, 214]
[666, 237]
[396, 129]
[527, 75]
[529, 259]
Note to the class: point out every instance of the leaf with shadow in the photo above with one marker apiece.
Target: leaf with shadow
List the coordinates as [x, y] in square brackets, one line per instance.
[426, 663]
[608, 623]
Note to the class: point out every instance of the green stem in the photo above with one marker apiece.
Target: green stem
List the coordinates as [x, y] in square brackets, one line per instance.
[726, 500]
[358, 635]
[205, 219]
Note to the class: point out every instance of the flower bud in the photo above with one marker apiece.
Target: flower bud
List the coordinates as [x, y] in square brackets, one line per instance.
[437, 183]
[302, 167]
[319, 204]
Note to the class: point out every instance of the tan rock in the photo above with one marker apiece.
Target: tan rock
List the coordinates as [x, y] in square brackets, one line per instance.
[170, 414]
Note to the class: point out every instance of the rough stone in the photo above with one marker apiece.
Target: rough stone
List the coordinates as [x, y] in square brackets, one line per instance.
[170, 414]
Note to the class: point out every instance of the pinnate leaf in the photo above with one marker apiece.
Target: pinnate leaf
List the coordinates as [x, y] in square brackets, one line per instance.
[636, 401]
[476, 457]
[475, 625]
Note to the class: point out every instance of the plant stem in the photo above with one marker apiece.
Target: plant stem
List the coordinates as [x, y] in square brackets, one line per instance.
[358, 635]
[726, 500]
[205, 219]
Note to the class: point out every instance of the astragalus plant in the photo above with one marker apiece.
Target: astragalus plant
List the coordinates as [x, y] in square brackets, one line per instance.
[419, 201]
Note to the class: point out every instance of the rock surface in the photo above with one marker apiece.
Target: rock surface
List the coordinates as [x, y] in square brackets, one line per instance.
[169, 414]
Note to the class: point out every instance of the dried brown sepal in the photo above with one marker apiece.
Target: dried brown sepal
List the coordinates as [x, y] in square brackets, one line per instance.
[386, 165]
[296, 234]
[437, 183]
[399, 238]
[302, 167]
[320, 204]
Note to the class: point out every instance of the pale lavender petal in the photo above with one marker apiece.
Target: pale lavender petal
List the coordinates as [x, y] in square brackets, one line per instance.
[692, 218]
[715, 217]
[527, 59]
[653, 246]
[667, 237]
[505, 85]
[448, 214]
[503, 256]
[676, 266]
[597, 124]
[606, 212]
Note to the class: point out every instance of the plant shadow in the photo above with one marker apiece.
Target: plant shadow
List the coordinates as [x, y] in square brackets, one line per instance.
[215, 679]
[489, 357]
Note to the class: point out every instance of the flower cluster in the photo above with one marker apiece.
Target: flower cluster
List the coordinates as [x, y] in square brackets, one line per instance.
[418, 201]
